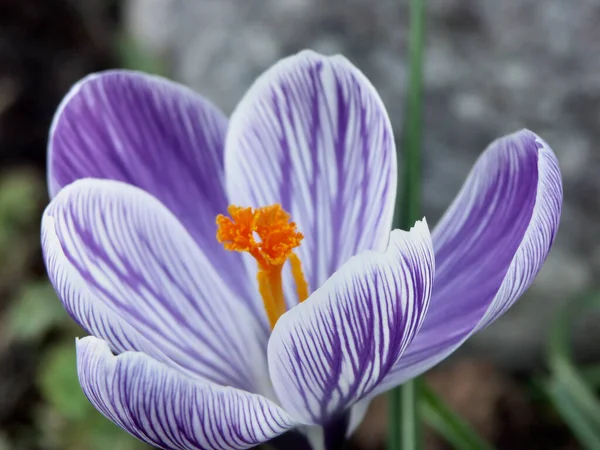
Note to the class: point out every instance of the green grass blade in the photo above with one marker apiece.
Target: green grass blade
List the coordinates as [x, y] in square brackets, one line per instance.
[585, 432]
[405, 430]
[459, 434]
[573, 398]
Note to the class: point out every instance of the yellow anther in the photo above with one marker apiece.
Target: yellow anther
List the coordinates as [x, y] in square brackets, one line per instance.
[299, 279]
[269, 236]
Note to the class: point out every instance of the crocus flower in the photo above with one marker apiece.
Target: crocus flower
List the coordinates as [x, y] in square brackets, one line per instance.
[239, 279]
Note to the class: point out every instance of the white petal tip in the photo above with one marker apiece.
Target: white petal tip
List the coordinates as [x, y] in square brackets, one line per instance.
[420, 225]
[92, 343]
[419, 229]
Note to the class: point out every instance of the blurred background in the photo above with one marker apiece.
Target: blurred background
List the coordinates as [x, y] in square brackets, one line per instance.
[491, 67]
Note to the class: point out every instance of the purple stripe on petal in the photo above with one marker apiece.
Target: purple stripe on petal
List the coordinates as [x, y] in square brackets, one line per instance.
[95, 317]
[332, 350]
[136, 260]
[155, 134]
[168, 410]
[313, 135]
[489, 246]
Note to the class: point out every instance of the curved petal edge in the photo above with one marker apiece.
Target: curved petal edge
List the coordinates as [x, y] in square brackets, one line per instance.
[538, 238]
[313, 135]
[164, 408]
[122, 259]
[333, 349]
[490, 245]
[89, 312]
[153, 133]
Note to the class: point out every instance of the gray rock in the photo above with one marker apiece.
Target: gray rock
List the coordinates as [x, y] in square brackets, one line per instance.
[492, 67]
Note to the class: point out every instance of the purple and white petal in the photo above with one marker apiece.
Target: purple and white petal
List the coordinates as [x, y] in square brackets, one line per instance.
[155, 134]
[169, 410]
[489, 246]
[138, 261]
[90, 313]
[357, 414]
[313, 135]
[333, 349]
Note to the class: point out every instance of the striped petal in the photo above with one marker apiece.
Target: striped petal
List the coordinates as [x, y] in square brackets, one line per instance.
[168, 410]
[155, 134]
[86, 309]
[117, 251]
[489, 246]
[332, 350]
[313, 135]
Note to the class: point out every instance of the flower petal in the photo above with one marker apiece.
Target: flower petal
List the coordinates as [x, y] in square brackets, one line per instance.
[313, 135]
[489, 246]
[136, 260]
[168, 410]
[357, 414]
[90, 313]
[155, 134]
[334, 348]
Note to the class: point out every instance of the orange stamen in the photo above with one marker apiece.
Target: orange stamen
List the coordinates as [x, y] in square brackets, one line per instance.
[299, 279]
[269, 236]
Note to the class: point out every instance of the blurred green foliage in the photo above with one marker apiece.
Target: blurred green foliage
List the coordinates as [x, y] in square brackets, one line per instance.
[75, 422]
[66, 419]
[573, 390]
[57, 379]
[21, 194]
[34, 311]
[133, 56]
[34, 317]
[437, 414]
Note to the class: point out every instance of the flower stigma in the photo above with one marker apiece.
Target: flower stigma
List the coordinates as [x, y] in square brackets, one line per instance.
[269, 236]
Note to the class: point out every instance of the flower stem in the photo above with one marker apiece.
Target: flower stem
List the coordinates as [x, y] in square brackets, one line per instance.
[404, 426]
[409, 195]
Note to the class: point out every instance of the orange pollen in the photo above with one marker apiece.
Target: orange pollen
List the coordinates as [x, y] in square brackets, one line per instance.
[269, 236]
